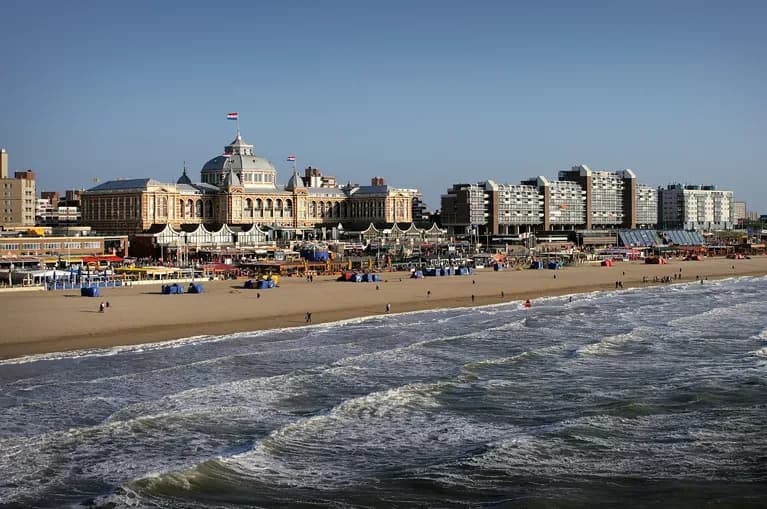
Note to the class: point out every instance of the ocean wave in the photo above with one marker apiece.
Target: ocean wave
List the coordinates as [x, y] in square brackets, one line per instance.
[475, 366]
[612, 345]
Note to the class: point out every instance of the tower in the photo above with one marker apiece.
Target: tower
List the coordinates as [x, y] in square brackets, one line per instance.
[3, 164]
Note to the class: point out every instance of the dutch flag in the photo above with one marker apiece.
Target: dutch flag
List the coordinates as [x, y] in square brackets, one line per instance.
[232, 116]
[291, 158]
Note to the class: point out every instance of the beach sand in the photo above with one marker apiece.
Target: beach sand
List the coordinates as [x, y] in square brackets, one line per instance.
[45, 322]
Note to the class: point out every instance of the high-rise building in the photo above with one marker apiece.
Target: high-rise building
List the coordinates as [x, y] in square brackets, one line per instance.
[611, 196]
[580, 199]
[739, 213]
[464, 209]
[17, 196]
[513, 209]
[695, 207]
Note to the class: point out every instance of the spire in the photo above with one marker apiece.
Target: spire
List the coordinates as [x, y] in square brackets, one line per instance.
[184, 178]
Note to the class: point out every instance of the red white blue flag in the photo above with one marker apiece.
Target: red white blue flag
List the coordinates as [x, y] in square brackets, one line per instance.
[291, 158]
[232, 116]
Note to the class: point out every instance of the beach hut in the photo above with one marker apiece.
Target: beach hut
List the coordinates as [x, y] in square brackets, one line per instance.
[90, 291]
[174, 289]
[265, 284]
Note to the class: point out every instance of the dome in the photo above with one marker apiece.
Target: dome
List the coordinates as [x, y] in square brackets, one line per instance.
[295, 182]
[184, 178]
[238, 157]
[238, 163]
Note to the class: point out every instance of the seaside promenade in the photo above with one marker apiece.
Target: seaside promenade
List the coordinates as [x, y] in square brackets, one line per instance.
[44, 322]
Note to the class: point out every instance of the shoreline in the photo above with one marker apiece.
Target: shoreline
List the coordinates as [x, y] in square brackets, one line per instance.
[62, 321]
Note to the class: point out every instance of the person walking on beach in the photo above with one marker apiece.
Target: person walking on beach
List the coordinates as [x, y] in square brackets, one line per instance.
[101, 307]
[308, 317]
[472, 298]
[388, 307]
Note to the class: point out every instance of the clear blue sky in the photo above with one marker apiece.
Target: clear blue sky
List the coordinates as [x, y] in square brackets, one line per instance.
[425, 94]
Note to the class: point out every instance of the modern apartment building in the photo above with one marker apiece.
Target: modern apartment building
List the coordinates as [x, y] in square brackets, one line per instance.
[611, 196]
[580, 199]
[695, 207]
[740, 213]
[513, 209]
[17, 196]
[464, 208]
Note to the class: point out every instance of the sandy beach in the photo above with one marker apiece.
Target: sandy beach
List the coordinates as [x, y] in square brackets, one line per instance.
[45, 322]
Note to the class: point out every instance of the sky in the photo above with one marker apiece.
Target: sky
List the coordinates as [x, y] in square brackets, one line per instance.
[423, 93]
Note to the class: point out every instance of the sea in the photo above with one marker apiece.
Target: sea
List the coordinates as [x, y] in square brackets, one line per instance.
[649, 397]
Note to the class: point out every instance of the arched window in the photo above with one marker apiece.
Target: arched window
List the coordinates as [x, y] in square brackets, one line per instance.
[313, 209]
[278, 206]
[208, 209]
[181, 208]
[329, 209]
[164, 206]
[189, 206]
[248, 207]
[259, 208]
[337, 209]
[322, 209]
[198, 208]
[344, 210]
[289, 207]
[269, 208]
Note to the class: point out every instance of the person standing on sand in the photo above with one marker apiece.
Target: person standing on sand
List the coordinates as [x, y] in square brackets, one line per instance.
[308, 317]
[388, 307]
[101, 307]
[428, 293]
[472, 298]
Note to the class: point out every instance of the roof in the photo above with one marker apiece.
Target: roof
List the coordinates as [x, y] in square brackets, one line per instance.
[295, 182]
[125, 185]
[238, 162]
[184, 178]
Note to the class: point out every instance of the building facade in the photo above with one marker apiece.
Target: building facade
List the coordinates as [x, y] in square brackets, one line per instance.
[580, 199]
[240, 188]
[465, 208]
[739, 213]
[17, 196]
[695, 207]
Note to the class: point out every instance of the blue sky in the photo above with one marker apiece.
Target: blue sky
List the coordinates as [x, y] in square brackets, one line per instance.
[425, 94]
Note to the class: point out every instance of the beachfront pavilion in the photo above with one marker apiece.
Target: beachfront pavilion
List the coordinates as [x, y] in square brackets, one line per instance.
[240, 187]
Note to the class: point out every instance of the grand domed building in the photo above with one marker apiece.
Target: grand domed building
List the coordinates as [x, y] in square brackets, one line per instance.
[239, 188]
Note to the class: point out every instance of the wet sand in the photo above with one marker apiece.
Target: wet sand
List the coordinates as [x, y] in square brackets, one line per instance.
[45, 322]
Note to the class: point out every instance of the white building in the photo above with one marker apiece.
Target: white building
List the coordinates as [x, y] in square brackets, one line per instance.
[695, 207]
